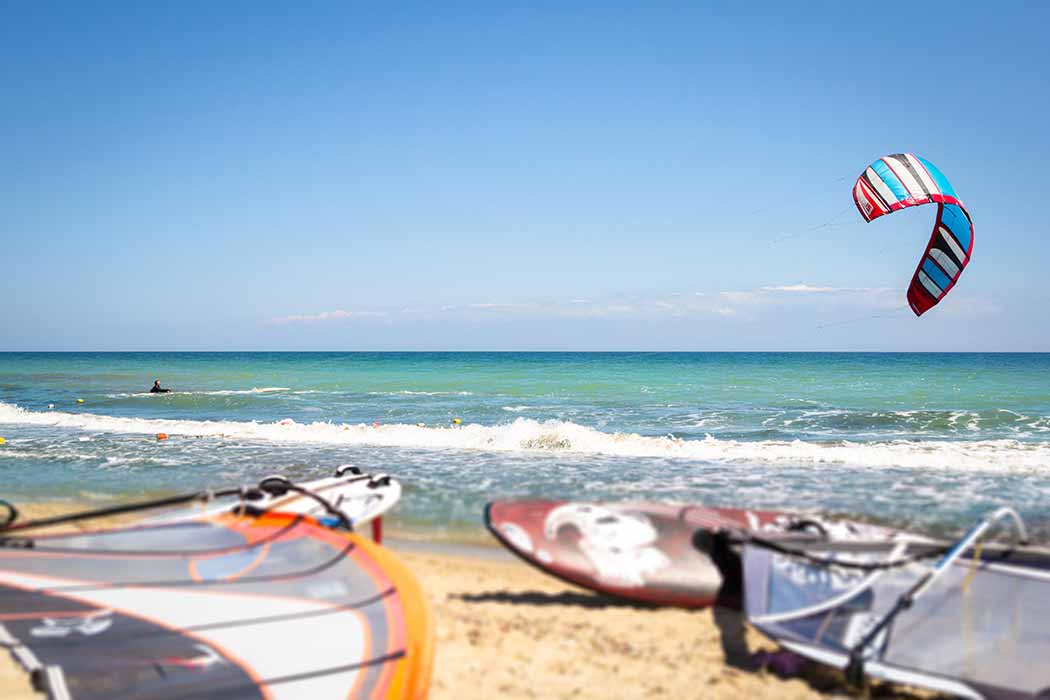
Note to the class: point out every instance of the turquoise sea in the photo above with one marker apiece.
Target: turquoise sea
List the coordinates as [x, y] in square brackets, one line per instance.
[925, 441]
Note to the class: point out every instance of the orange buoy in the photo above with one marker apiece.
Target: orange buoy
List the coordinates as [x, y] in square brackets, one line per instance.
[162, 436]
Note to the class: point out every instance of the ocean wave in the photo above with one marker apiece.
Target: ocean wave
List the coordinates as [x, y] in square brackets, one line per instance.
[523, 434]
[238, 392]
[216, 392]
[916, 422]
[409, 392]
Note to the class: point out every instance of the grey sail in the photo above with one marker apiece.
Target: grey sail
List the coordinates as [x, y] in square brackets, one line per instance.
[979, 629]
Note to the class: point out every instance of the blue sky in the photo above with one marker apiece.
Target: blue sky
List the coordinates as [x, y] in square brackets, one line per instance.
[245, 175]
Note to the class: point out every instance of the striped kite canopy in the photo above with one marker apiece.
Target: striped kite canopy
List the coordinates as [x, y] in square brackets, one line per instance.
[906, 180]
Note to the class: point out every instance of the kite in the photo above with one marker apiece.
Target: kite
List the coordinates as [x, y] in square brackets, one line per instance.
[905, 180]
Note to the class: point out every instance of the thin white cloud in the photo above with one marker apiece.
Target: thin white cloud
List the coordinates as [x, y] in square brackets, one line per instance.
[802, 288]
[501, 306]
[728, 304]
[337, 315]
[738, 298]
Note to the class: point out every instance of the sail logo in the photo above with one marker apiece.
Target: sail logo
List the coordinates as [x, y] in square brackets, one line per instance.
[88, 625]
[620, 546]
[820, 578]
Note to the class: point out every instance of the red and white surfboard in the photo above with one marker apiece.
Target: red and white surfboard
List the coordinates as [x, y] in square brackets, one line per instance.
[645, 552]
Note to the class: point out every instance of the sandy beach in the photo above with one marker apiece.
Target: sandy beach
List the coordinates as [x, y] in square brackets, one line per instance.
[506, 630]
[417, 265]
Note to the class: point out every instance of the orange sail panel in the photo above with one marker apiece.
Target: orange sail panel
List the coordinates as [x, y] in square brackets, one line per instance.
[275, 606]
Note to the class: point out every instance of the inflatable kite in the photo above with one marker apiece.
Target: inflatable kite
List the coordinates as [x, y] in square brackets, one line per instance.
[906, 180]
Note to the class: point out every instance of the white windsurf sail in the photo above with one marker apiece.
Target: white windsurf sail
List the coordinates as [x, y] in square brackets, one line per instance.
[972, 623]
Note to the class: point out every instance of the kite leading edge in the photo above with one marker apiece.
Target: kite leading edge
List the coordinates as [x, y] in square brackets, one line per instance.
[905, 180]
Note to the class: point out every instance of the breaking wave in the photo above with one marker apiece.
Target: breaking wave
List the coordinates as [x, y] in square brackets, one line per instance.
[523, 434]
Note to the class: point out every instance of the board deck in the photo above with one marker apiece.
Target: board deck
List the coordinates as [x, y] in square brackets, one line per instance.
[362, 498]
[645, 552]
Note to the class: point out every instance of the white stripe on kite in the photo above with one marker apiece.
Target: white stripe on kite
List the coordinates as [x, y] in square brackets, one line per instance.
[945, 261]
[864, 200]
[923, 175]
[909, 182]
[930, 286]
[953, 244]
[884, 191]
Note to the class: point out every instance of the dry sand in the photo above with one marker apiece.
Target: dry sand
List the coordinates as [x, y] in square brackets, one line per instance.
[505, 630]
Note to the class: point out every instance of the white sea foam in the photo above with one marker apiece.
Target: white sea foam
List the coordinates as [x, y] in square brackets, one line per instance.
[408, 392]
[236, 392]
[217, 392]
[561, 436]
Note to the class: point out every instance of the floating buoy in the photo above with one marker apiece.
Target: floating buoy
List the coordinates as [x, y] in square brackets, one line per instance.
[2, 441]
[162, 436]
[456, 421]
[80, 400]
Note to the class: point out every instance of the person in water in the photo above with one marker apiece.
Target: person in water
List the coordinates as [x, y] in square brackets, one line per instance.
[156, 388]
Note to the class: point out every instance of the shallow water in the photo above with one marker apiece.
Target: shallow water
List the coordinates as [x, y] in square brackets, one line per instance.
[926, 441]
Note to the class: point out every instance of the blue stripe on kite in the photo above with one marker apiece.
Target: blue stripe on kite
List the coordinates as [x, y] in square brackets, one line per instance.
[936, 274]
[938, 177]
[955, 221]
[891, 180]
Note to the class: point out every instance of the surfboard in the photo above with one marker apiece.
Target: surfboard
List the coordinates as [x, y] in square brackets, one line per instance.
[275, 606]
[363, 499]
[646, 552]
